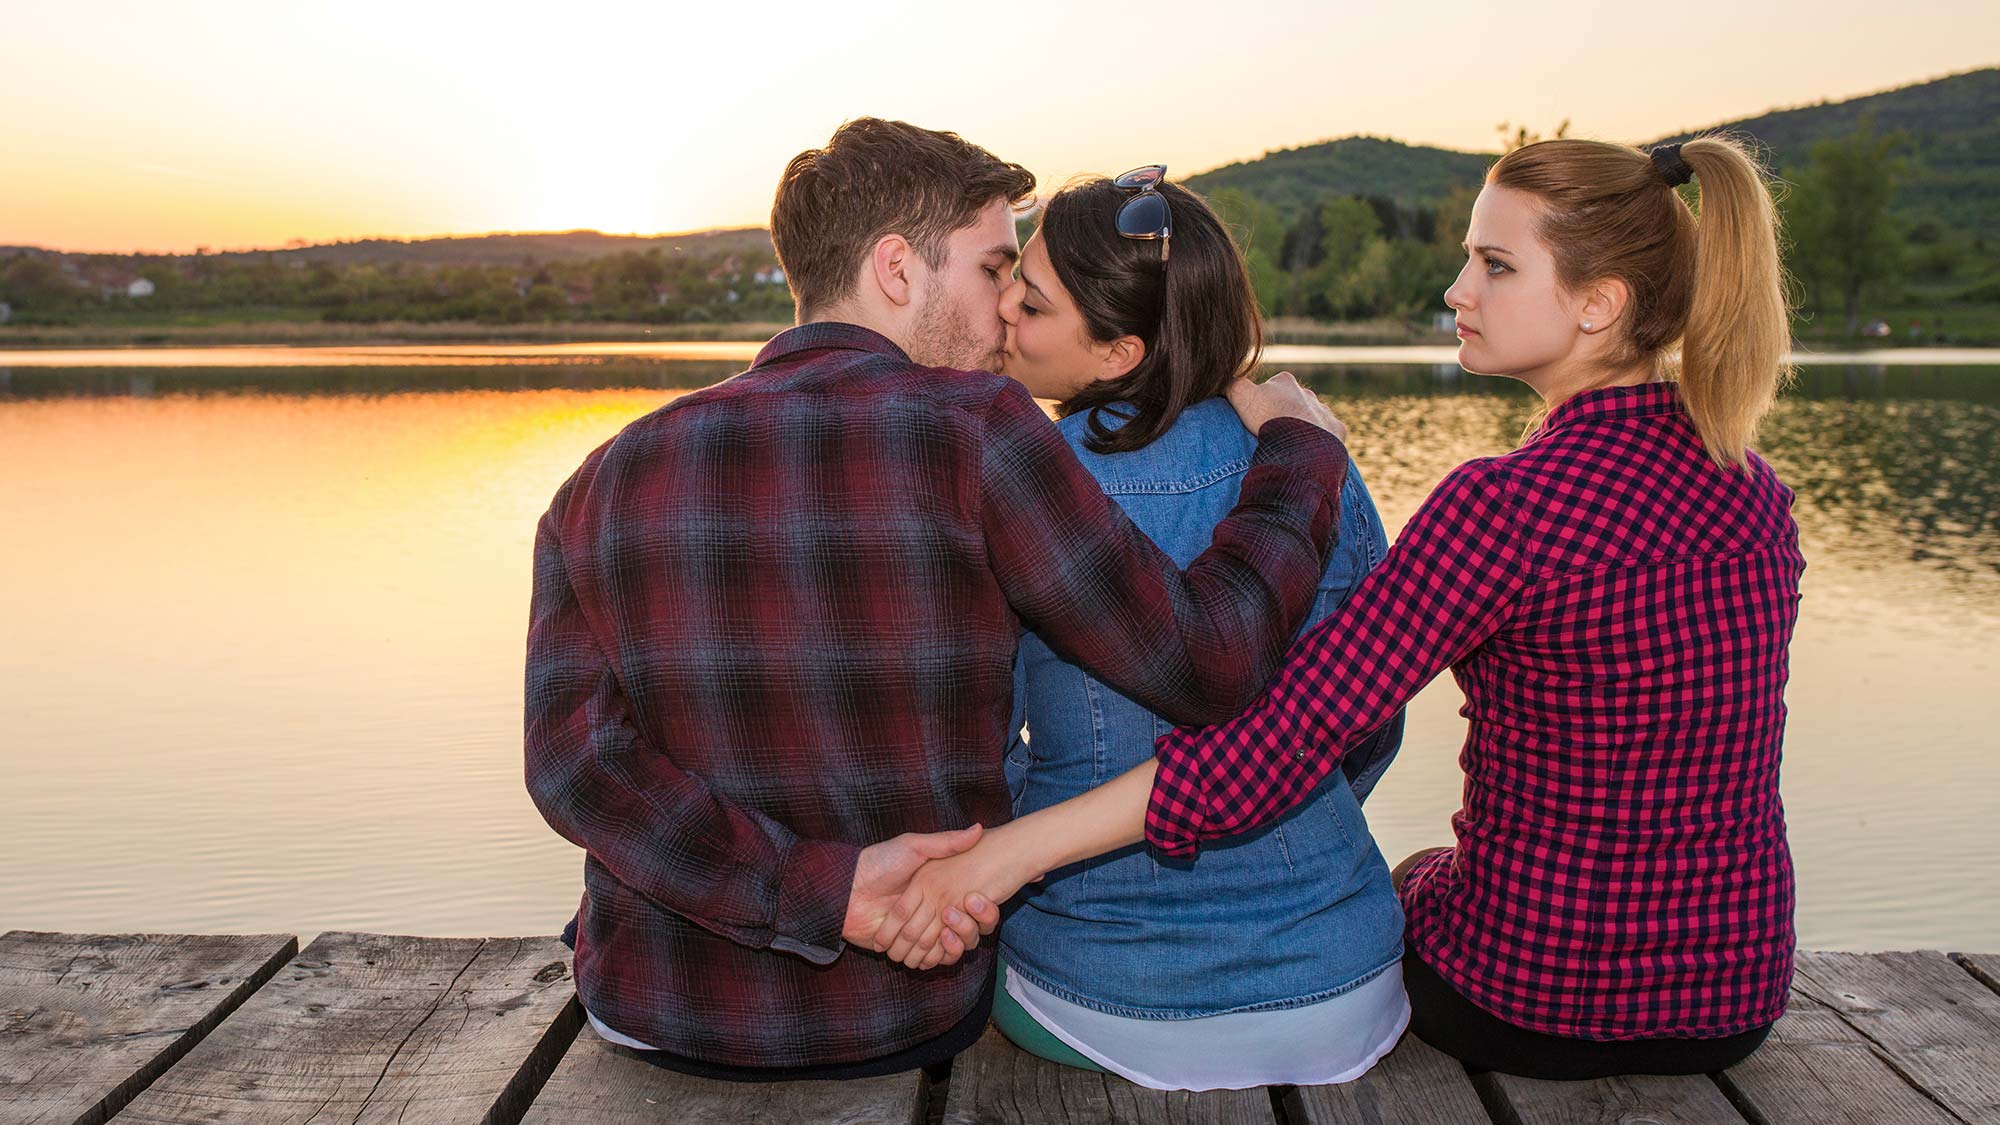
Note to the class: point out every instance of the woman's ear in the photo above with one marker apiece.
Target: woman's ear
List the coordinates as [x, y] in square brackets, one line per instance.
[1117, 358]
[1604, 303]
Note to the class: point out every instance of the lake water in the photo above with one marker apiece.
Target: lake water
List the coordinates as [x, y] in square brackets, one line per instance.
[261, 635]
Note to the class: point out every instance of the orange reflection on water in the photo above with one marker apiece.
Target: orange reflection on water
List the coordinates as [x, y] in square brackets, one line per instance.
[264, 658]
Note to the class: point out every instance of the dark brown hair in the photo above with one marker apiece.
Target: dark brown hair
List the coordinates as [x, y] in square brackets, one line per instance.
[1712, 285]
[876, 178]
[1197, 317]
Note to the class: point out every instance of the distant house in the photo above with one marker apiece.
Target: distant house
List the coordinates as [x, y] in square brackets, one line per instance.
[771, 275]
[112, 281]
[578, 292]
[6, 312]
[663, 295]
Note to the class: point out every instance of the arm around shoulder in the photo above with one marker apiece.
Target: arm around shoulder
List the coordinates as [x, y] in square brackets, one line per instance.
[1195, 646]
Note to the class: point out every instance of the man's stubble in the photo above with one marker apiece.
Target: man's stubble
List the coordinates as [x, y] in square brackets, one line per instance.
[945, 337]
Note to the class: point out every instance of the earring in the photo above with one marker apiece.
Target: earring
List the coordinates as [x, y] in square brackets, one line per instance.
[1586, 326]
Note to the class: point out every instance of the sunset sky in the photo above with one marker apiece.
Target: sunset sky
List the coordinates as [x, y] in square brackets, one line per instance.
[235, 124]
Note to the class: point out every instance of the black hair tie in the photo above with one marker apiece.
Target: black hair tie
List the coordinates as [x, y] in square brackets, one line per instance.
[1667, 160]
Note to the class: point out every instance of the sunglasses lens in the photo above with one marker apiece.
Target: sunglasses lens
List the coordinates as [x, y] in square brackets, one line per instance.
[1142, 177]
[1143, 216]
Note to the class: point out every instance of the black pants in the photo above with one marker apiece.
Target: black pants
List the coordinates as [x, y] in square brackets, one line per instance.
[932, 1055]
[1458, 1027]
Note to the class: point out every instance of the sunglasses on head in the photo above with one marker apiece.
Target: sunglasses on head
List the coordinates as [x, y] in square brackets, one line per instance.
[1145, 216]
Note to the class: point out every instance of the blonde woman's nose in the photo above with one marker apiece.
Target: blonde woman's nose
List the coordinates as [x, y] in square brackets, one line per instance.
[1454, 297]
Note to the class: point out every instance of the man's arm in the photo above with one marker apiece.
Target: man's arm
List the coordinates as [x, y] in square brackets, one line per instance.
[1195, 646]
[659, 829]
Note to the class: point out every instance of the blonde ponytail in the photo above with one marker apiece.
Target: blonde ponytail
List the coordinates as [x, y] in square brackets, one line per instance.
[1739, 323]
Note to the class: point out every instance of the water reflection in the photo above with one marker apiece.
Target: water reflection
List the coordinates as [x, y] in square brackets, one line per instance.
[1897, 485]
[1894, 470]
[114, 382]
[262, 668]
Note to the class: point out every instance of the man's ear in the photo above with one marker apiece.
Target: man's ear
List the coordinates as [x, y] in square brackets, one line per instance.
[1117, 358]
[890, 267]
[1604, 303]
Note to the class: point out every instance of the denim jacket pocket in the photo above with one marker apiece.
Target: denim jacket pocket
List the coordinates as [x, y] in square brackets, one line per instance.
[1018, 762]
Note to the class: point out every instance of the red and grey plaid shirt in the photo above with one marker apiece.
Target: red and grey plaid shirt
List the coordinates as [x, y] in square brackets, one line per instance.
[775, 621]
[1617, 611]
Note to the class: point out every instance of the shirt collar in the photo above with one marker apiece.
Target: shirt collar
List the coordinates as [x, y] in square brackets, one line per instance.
[1607, 403]
[824, 334]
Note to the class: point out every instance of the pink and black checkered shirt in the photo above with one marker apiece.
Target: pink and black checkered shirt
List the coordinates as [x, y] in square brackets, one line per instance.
[774, 622]
[1617, 611]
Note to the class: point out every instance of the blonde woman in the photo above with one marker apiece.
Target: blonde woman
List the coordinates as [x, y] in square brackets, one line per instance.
[1616, 599]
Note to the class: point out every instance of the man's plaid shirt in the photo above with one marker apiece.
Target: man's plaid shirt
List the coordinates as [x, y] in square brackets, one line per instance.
[775, 621]
[1617, 610]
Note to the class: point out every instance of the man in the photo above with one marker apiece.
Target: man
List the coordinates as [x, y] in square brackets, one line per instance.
[773, 626]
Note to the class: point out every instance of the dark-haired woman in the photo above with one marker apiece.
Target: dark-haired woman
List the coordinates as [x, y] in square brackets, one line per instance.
[1277, 959]
[1615, 597]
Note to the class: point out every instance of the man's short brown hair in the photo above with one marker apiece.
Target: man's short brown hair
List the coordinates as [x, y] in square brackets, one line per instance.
[876, 178]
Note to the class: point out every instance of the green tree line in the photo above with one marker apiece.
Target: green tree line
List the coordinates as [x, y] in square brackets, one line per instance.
[1348, 257]
[1329, 256]
[645, 286]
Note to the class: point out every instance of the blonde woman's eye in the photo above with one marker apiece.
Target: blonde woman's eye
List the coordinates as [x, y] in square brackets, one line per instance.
[1494, 268]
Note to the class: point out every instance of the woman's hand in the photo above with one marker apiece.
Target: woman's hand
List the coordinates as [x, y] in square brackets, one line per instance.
[1281, 396]
[918, 930]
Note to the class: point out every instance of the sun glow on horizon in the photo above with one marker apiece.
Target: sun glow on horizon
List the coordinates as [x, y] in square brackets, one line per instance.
[237, 125]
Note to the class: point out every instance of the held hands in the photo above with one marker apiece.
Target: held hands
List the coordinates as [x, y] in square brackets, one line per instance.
[882, 879]
[919, 930]
[1281, 396]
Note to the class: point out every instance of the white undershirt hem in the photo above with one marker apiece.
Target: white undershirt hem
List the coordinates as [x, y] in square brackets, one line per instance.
[1323, 1043]
[610, 1035]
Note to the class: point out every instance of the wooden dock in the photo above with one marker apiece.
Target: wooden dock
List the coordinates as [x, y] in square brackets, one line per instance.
[368, 1028]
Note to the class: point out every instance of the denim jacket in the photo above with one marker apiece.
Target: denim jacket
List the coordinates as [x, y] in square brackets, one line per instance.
[1289, 914]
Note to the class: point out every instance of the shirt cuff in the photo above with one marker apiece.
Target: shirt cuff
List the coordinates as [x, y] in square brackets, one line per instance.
[1176, 811]
[1298, 443]
[813, 891]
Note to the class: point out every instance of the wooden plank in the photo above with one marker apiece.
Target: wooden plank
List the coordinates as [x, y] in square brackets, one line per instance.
[372, 1028]
[1816, 1069]
[1933, 1023]
[997, 1083]
[1415, 1083]
[1983, 966]
[1638, 1099]
[89, 1020]
[599, 1083]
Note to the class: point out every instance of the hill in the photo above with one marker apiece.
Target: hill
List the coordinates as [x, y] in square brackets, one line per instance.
[497, 249]
[1953, 125]
[513, 249]
[1294, 178]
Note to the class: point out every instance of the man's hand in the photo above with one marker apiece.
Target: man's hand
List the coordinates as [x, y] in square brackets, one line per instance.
[1280, 396]
[881, 877]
